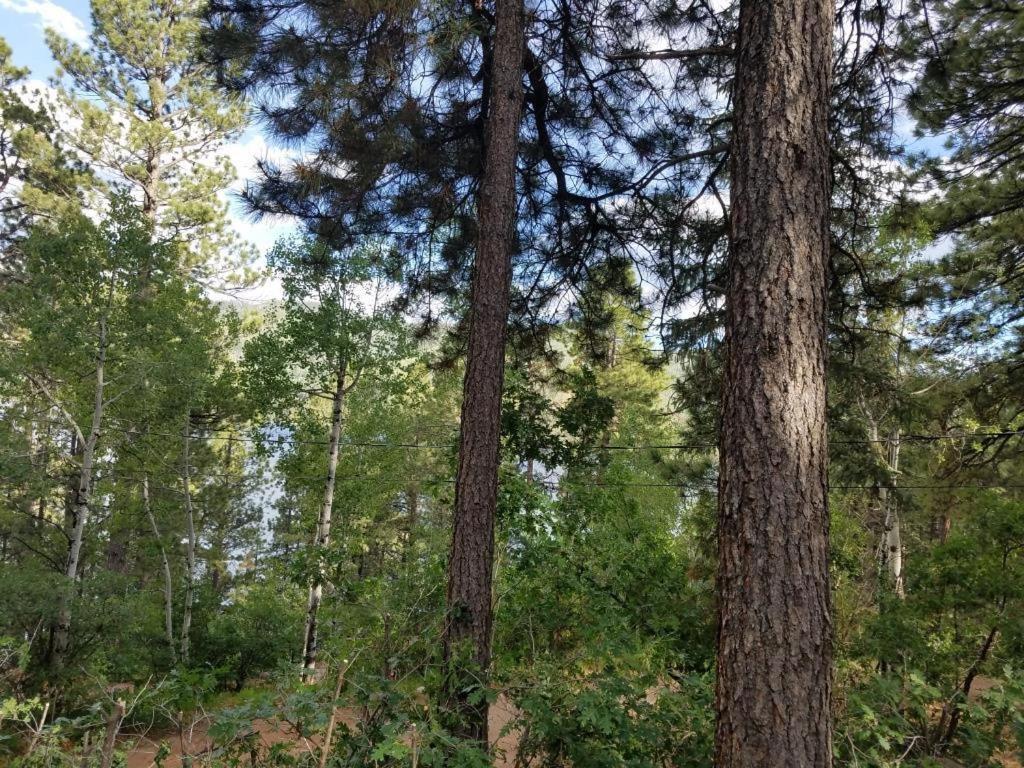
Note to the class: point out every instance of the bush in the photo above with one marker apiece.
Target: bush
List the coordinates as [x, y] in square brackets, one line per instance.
[614, 720]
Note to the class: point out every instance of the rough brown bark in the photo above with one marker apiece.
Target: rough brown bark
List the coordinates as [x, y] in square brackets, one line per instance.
[467, 632]
[774, 642]
[323, 529]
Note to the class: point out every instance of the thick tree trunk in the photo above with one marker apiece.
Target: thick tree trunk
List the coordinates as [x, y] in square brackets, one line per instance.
[168, 580]
[190, 543]
[323, 529]
[467, 631]
[80, 507]
[774, 641]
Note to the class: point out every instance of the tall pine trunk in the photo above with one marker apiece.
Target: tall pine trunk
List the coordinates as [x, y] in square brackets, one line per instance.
[774, 640]
[82, 493]
[467, 631]
[323, 529]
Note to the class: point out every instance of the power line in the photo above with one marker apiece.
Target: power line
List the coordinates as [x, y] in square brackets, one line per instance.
[241, 438]
[569, 484]
[272, 441]
[713, 487]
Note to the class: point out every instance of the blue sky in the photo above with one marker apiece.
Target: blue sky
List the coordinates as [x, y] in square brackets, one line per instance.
[22, 23]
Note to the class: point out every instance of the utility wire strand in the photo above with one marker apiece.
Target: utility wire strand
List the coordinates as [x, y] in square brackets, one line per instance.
[567, 484]
[696, 488]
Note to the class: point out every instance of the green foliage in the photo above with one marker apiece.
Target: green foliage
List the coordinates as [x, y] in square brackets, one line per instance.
[38, 176]
[253, 633]
[380, 723]
[608, 719]
[143, 109]
[332, 324]
[891, 720]
[605, 557]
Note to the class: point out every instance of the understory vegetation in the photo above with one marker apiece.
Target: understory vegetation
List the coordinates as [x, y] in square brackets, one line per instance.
[226, 525]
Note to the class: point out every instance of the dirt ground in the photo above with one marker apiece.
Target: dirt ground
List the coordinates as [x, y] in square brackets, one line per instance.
[142, 750]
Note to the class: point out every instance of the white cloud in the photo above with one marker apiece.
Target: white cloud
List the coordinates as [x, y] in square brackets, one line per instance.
[244, 154]
[35, 92]
[51, 16]
[247, 151]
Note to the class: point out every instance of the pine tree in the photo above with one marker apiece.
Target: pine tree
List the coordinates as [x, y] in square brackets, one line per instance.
[467, 636]
[143, 110]
[37, 177]
[613, 153]
[773, 581]
[969, 92]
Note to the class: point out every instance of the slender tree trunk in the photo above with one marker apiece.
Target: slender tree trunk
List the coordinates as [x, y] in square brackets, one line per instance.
[412, 516]
[149, 181]
[467, 631]
[323, 529]
[774, 637]
[80, 508]
[890, 545]
[953, 710]
[168, 581]
[892, 538]
[43, 461]
[153, 172]
[110, 739]
[190, 544]
[325, 747]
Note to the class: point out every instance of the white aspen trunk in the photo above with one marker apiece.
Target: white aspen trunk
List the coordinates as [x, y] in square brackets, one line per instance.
[893, 537]
[892, 544]
[412, 511]
[80, 508]
[323, 530]
[190, 546]
[168, 581]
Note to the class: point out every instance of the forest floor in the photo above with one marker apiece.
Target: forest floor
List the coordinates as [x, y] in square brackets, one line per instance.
[197, 745]
[142, 750]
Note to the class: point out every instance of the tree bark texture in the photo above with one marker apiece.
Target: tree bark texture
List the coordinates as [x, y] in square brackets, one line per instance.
[467, 631]
[774, 637]
[323, 529]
